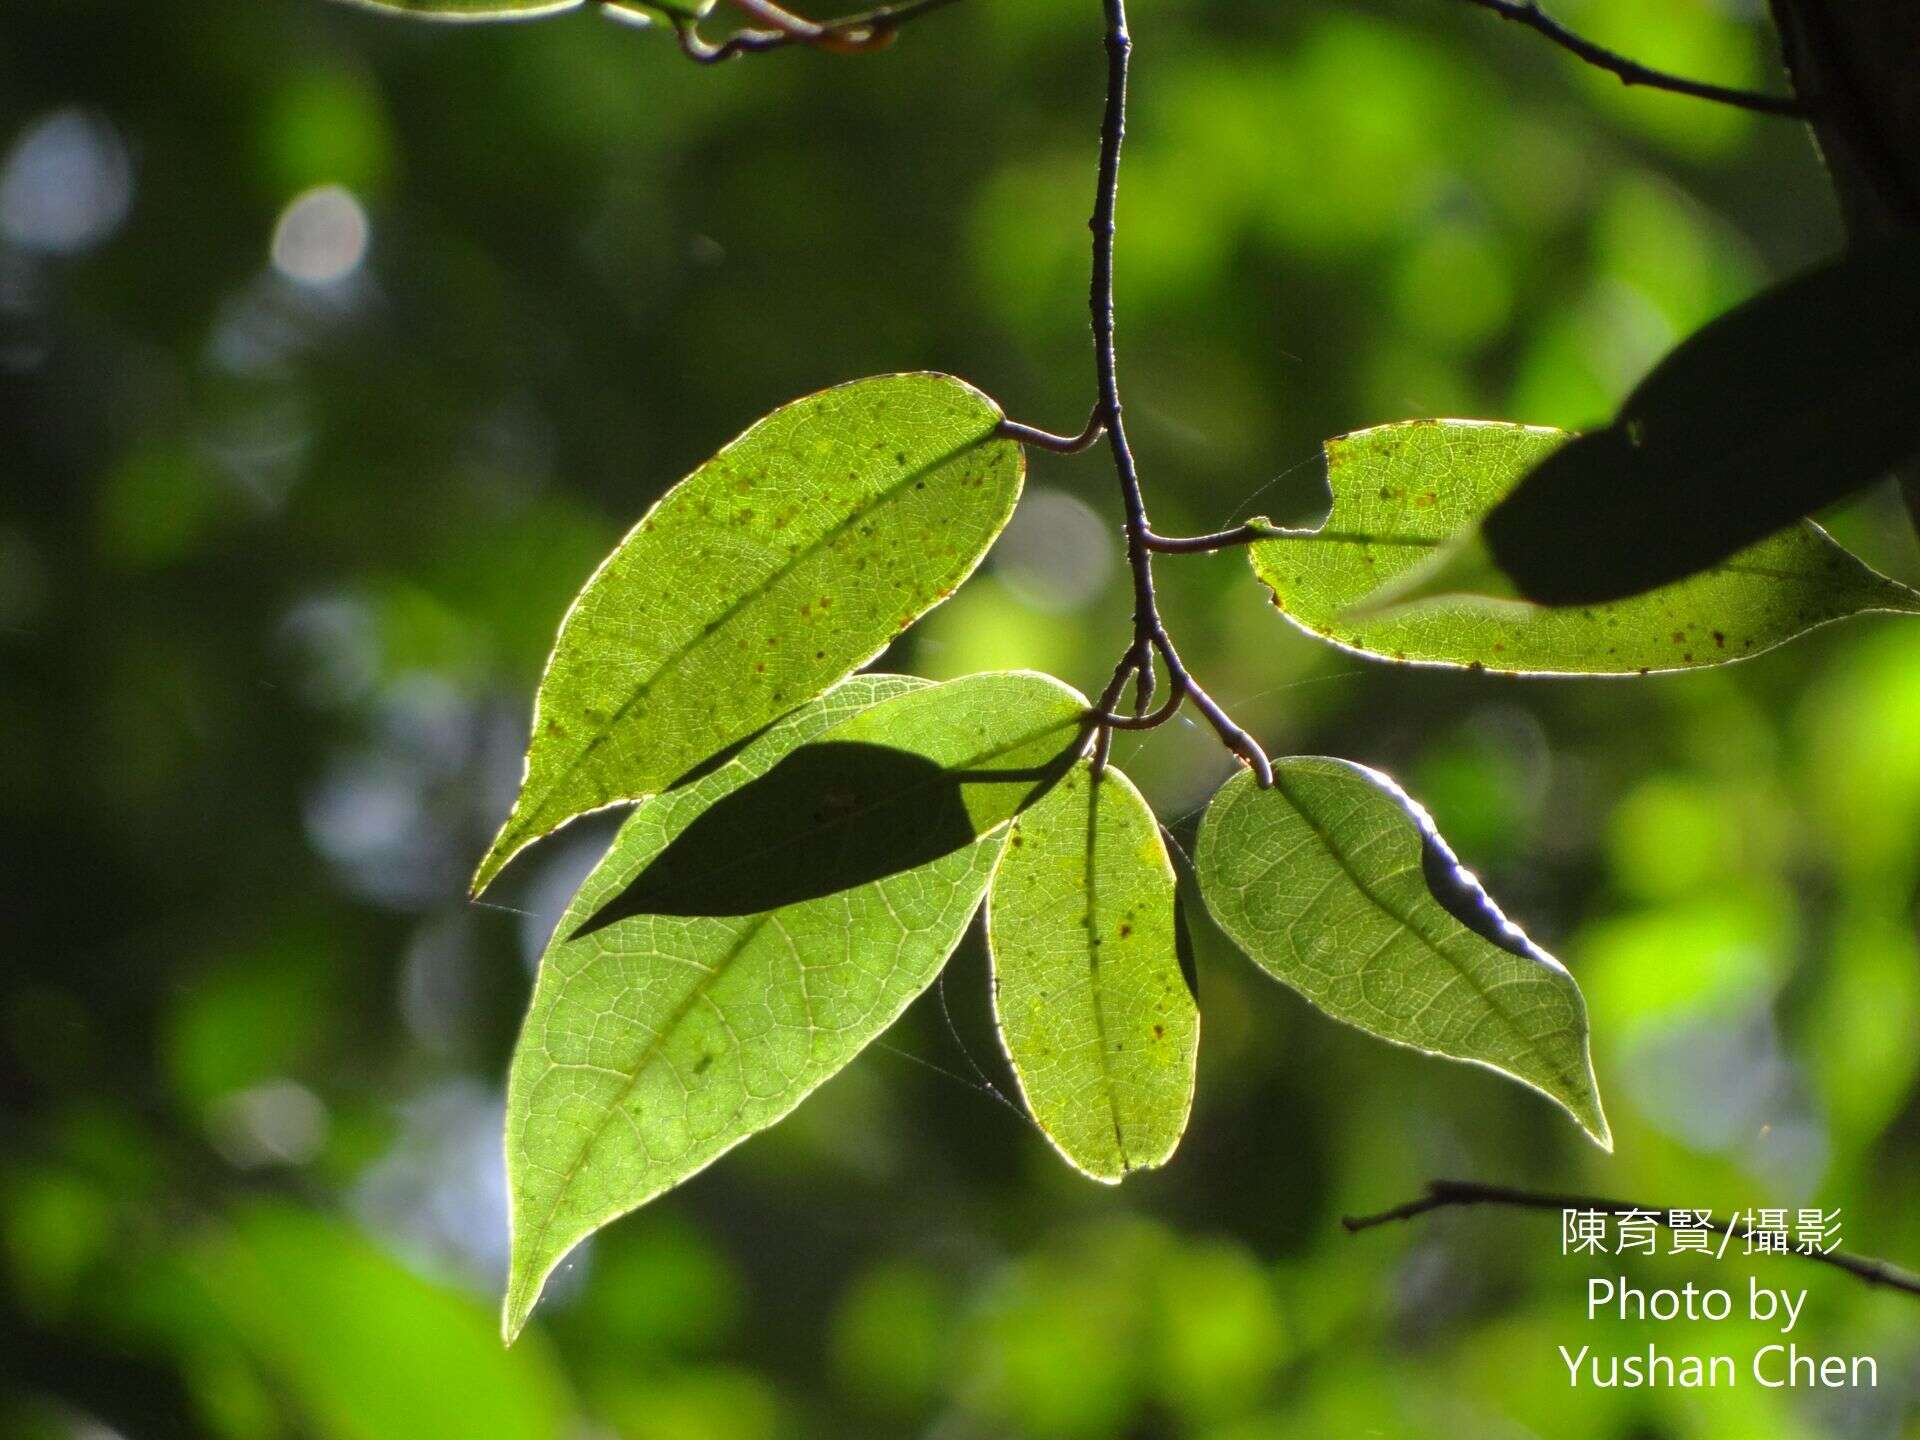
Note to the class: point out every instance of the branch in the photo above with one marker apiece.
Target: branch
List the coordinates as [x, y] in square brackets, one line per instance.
[1151, 646]
[1150, 636]
[1446, 1194]
[1631, 72]
[852, 35]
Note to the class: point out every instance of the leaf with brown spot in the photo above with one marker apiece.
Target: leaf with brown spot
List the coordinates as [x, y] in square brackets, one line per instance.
[659, 1041]
[674, 651]
[1374, 539]
[1093, 1007]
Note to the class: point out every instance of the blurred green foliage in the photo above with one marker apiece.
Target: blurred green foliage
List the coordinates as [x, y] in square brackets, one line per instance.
[334, 353]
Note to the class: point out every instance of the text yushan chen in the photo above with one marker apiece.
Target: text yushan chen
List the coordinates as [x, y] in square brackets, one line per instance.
[1777, 1365]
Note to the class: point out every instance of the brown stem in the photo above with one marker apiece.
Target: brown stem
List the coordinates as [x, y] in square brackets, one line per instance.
[1206, 544]
[1149, 633]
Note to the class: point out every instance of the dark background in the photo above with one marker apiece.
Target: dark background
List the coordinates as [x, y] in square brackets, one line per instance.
[334, 352]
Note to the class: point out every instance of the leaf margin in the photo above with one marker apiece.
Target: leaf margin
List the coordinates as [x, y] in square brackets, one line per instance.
[1458, 565]
[1420, 823]
[518, 825]
[1191, 1041]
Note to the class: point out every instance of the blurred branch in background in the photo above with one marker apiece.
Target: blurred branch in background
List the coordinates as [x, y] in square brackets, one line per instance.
[1459, 1194]
[1631, 72]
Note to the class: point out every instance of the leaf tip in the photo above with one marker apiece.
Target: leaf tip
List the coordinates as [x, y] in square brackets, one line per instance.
[1899, 599]
[526, 1282]
[1590, 1115]
[489, 868]
[514, 837]
[514, 1311]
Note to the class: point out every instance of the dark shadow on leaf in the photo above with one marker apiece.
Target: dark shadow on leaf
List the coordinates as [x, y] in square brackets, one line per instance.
[829, 817]
[722, 756]
[1184, 885]
[1461, 895]
[1183, 946]
[1794, 400]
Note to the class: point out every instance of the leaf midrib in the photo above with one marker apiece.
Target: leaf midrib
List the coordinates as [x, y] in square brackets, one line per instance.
[1360, 883]
[693, 998]
[1094, 983]
[647, 1056]
[820, 542]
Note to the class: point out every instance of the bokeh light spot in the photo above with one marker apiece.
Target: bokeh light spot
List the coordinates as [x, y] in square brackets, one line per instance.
[321, 236]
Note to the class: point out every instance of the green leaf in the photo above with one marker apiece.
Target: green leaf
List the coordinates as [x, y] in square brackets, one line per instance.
[363, 1347]
[841, 812]
[1094, 1011]
[1337, 884]
[1400, 492]
[635, 11]
[655, 1045]
[646, 12]
[470, 9]
[1782, 406]
[787, 561]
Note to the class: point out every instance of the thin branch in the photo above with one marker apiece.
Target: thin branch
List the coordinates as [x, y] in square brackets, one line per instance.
[1058, 444]
[1631, 72]
[1143, 721]
[1113, 130]
[1149, 633]
[851, 35]
[1447, 1194]
[1150, 647]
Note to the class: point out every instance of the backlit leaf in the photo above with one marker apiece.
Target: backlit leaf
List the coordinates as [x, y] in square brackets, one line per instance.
[1782, 406]
[1093, 1008]
[1400, 492]
[853, 807]
[788, 560]
[639, 12]
[659, 1042]
[470, 9]
[1337, 884]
